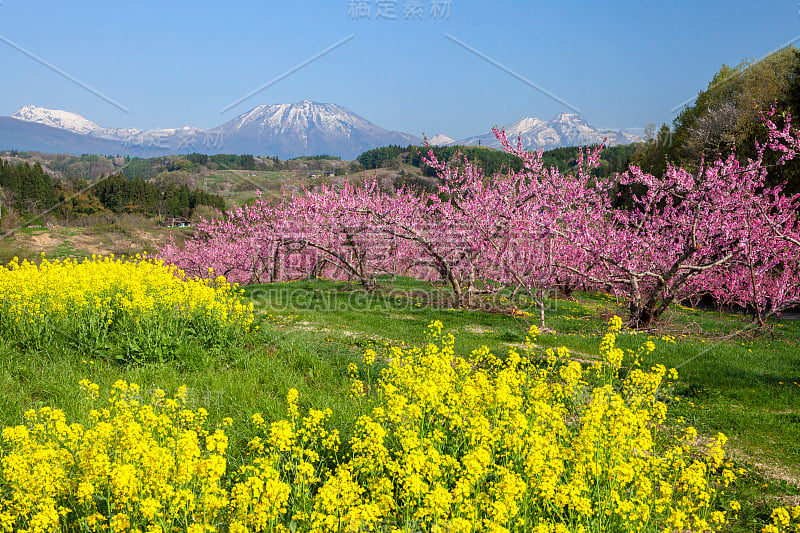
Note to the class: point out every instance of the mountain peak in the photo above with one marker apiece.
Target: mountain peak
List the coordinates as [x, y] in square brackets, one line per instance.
[297, 115]
[285, 130]
[441, 140]
[570, 118]
[289, 130]
[565, 129]
[56, 118]
[308, 128]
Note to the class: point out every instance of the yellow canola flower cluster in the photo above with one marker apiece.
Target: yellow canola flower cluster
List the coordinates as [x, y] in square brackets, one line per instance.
[784, 519]
[444, 442]
[93, 302]
[151, 464]
[484, 444]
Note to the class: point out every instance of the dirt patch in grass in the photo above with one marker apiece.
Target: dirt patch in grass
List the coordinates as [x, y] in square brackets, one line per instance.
[768, 469]
[87, 241]
[41, 242]
[479, 330]
[771, 472]
[91, 245]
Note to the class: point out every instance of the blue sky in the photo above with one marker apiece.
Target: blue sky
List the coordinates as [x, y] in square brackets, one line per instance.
[622, 64]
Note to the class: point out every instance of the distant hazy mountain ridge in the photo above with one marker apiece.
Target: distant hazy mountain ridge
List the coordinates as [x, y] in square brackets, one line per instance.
[56, 118]
[283, 130]
[132, 141]
[565, 129]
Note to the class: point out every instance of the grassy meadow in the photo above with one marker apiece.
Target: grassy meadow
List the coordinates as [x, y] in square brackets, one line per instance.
[307, 335]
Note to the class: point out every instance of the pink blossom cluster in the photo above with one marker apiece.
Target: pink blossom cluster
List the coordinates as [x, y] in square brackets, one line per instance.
[716, 231]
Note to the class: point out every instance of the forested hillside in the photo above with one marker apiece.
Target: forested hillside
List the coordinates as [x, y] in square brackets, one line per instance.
[728, 114]
[25, 187]
[28, 190]
[613, 159]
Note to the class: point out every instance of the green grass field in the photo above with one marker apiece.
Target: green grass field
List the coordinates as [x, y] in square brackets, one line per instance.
[745, 386]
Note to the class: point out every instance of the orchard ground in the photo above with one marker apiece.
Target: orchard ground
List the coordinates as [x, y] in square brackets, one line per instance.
[745, 384]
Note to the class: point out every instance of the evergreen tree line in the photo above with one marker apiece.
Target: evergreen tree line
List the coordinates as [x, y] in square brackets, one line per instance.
[489, 160]
[148, 169]
[29, 190]
[122, 195]
[613, 159]
[26, 188]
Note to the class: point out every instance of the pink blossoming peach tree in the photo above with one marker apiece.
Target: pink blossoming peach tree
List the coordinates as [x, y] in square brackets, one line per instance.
[716, 231]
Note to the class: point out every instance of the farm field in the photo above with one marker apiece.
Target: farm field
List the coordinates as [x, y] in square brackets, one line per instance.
[238, 186]
[81, 242]
[306, 336]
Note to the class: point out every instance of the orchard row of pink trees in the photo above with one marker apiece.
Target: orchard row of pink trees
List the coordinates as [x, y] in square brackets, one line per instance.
[716, 231]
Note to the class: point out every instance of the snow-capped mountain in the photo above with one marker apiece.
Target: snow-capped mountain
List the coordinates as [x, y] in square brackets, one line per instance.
[57, 119]
[441, 140]
[283, 130]
[565, 129]
[69, 121]
[72, 122]
[27, 136]
[307, 128]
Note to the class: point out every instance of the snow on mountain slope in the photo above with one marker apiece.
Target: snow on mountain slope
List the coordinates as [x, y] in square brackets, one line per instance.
[441, 140]
[284, 130]
[56, 118]
[565, 129]
[298, 129]
[308, 128]
[75, 123]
